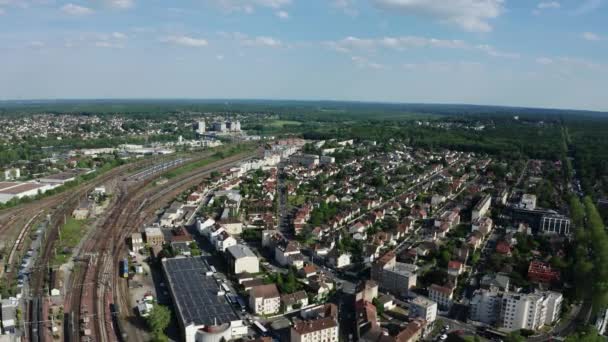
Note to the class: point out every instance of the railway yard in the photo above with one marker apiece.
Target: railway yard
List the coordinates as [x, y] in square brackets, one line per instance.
[94, 301]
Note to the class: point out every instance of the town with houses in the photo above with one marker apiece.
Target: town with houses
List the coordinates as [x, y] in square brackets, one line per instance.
[404, 245]
[353, 240]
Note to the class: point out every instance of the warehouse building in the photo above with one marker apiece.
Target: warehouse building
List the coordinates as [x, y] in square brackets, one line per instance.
[10, 190]
[241, 259]
[202, 309]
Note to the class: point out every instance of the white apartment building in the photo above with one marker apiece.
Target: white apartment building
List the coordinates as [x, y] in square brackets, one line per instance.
[319, 330]
[424, 308]
[400, 278]
[265, 299]
[481, 208]
[442, 295]
[307, 160]
[485, 306]
[530, 311]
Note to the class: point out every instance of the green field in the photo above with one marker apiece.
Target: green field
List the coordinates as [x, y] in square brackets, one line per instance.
[223, 152]
[71, 234]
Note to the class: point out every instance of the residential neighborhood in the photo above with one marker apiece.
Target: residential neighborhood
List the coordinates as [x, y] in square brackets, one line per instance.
[429, 242]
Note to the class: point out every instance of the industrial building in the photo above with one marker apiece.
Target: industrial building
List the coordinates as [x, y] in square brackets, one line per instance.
[10, 190]
[241, 259]
[202, 309]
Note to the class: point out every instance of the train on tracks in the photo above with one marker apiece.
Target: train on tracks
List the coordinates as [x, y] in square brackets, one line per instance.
[35, 318]
[125, 268]
[121, 333]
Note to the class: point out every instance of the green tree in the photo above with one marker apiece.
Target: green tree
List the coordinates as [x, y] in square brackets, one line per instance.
[586, 334]
[515, 336]
[158, 320]
[378, 305]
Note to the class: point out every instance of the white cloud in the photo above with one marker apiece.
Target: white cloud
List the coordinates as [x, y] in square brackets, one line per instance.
[544, 60]
[185, 41]
[351, 44]
[398, 43]
[549, 5]
[247, 6]
[119, 35]
[590, 36]
[36, 45]
[589, 6]
[490, 50]
[262, 41]
[283, 15]
[105, 44]
[469, 15]
[76, 10]
[245, 40]
[219, 57]
[346, 6]
[443, 66]
[121, 4]
[572, 64]
[364, 63]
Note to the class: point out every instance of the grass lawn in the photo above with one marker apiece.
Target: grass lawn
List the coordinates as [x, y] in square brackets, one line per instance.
[282, 123]
[223, 152]
[297, 200]
[71, 233]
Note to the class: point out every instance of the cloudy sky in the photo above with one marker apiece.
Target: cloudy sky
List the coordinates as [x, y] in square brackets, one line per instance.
[504, 52]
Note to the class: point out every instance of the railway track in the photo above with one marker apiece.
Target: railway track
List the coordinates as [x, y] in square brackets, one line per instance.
[154, 201]
[99, 281]
[60, 205]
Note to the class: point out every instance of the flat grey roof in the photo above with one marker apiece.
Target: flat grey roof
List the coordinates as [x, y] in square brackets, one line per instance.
[195, 293]
[240, 251]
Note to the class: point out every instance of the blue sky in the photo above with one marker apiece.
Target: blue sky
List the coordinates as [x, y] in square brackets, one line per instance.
[505, 52]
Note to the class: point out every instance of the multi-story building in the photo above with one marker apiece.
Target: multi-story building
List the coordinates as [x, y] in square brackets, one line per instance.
[555, 224]
[481, 208]
[483, 225]
[485, 306]
[528, 201]
[447, 221]
[367, 291]
[241, 259]
[318, 330]
[233, 126]
[306, 160]
[442, 295]
[154, 236]
[294, 301]
[265, 299]
[285, 251]
[424, 308]
[219, 126]
[388, 260]
[542, 272]
[137, 242]
[530, 311]
[199, 127]
[399, 279]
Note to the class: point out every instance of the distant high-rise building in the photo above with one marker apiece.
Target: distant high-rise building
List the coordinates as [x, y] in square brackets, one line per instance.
[199, 127]
[233, 126]
[219, 126]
